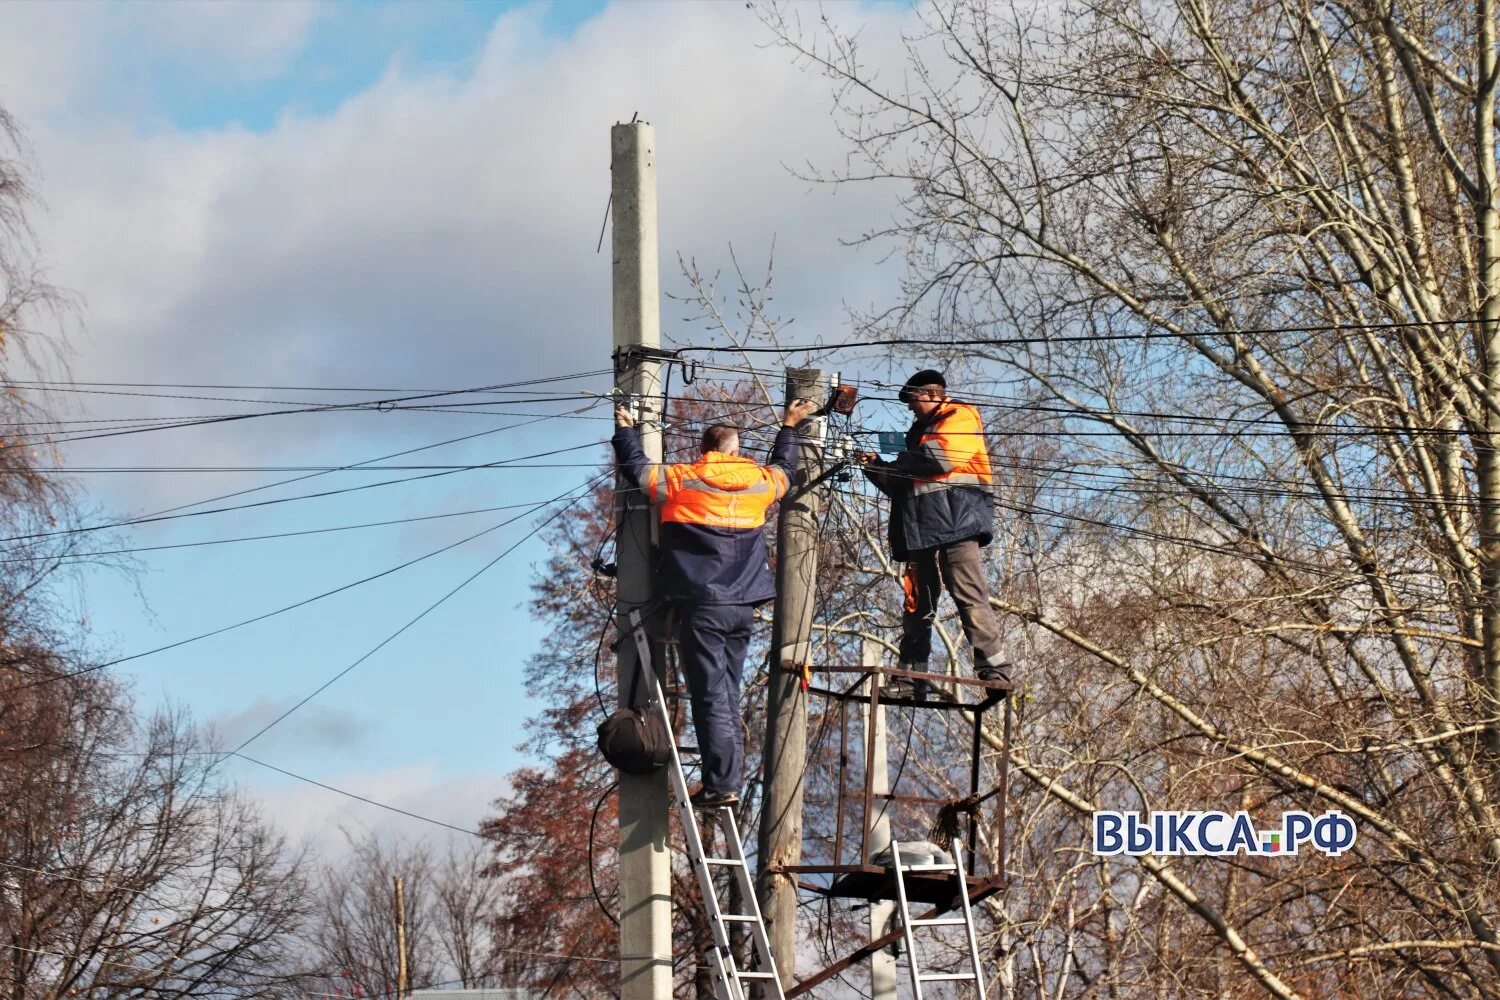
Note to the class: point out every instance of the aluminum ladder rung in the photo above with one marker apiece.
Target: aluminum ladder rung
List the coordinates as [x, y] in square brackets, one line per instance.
[721, 957]
[965, 919]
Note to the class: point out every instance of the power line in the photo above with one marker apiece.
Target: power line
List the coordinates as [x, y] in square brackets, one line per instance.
[45, 436]
[373, 406]
[423, 614]
[78, 556]
[183, 973]
[153, 519]
[1261, 487]
[144, 469]
[406, 395]
[1276, 426]
[290, 607]
[1275, 423]
[1206, 546]
[376, 405]
[354, 795]
[143, 893]
[383, 404]
[48, 436]
[289, 774]
[1129, 484]
[503, 387]
[1019, 341]
[291, 977]
[990, 401]
[353, 465]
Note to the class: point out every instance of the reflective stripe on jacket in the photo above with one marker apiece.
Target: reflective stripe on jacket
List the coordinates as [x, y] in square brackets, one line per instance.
[726, 491]
[954, 441]
[940, 486]
[712, 512]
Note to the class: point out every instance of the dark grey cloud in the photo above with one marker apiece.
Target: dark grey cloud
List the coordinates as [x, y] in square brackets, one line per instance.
[312, 727]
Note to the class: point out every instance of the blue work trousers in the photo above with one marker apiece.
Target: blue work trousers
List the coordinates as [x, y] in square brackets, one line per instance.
[712, 642]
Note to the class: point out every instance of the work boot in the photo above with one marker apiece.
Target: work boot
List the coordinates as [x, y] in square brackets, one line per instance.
[1000, 673]
[919, 691]
[907, 687]
[702, 798]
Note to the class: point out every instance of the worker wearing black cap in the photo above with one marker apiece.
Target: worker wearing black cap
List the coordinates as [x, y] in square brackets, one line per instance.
[942, 514]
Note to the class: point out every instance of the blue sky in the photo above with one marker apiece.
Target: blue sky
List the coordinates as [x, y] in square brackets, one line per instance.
[347, 49]
[383, 196]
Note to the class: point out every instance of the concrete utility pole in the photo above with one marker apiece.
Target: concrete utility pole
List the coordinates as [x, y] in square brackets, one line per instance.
[785, 755]
[402, 986]
[882, 963]
[645, 863]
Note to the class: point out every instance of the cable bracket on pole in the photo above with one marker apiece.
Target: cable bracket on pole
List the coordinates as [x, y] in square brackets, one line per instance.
[626, 356]
[817, 480]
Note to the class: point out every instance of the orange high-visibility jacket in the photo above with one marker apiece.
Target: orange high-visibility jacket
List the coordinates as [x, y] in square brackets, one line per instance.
[940, 486]
[953, 442]
[726, 491]
[712, 512]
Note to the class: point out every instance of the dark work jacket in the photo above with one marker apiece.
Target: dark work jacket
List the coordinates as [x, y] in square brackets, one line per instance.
[931, 505]
[712, 512]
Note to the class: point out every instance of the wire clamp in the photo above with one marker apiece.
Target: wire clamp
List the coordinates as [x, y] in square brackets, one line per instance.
[625, 357]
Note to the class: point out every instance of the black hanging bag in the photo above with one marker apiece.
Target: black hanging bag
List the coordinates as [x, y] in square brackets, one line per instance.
[635, 739]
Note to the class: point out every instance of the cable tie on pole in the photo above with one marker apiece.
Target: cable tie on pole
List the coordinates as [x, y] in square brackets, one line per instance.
[802, 670]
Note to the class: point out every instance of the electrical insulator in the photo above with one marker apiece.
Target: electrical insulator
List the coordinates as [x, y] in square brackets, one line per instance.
[840, 451]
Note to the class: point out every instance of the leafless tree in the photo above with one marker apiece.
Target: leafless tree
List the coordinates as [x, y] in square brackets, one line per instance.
[455, 908]
[464, 906]
[354, 937]
[1236, 264]
[126, 869]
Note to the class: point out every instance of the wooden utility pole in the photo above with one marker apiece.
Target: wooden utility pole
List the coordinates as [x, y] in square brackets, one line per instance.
[785, 755]
[882, 963]
[403, 989]
[645, 864]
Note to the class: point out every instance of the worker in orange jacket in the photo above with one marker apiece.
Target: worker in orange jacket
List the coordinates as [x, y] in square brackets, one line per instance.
[942, 515]
[713, 570]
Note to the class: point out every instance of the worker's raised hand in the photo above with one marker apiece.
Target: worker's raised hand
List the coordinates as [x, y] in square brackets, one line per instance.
[797, 411]
[623, 417]
[867, 457]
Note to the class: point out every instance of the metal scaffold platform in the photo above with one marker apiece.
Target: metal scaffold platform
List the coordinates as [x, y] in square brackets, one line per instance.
[860, 879]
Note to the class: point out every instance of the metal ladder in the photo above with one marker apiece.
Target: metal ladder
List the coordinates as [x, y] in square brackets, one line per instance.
[730, 982]
[908, 924]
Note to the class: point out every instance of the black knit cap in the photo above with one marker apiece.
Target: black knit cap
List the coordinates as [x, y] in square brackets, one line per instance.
[927, 376]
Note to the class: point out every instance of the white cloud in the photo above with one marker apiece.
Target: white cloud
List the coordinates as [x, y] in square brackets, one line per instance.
[76, 61]
[245, 39]
[437, 230]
